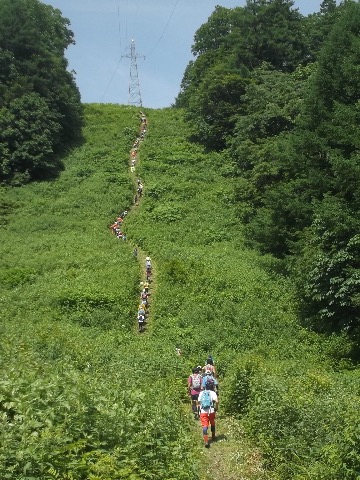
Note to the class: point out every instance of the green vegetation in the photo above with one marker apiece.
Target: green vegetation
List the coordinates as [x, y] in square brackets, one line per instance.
[254, 235]
[40, 109]
[279, 94]
[82, 394]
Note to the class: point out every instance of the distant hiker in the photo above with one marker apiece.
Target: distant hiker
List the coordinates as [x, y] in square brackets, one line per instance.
[209, 404]
[144, 302]
[178, 351]
[135, 252]
[141, 322]
[194, 389]
[141, 310]
[146, 287]
[209, 365]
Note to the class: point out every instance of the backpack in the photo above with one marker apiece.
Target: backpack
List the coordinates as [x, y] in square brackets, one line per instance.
[206, 401]
[210, 382]
[196, 381]
[210, 367]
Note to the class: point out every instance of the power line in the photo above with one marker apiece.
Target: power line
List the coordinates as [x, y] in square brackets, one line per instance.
[166, 26]
[112, 78]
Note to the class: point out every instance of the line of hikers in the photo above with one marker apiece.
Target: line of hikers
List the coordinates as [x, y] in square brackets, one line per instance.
[203, 386]
[117, 227]
[143, 309]
[203, 390]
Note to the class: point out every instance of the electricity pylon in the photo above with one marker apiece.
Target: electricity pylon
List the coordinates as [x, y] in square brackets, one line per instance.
[134, 86]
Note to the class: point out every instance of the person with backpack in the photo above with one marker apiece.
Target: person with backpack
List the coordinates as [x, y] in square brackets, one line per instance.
[141, 322]
[209, 404]
[209, 365]
[210, 380]
[194, 389]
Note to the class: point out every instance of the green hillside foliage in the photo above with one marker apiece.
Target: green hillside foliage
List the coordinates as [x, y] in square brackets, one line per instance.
[82, 394]
[40, 109]
[286, 110]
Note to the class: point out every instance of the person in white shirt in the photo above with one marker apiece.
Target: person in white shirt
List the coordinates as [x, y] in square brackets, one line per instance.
[209, 403]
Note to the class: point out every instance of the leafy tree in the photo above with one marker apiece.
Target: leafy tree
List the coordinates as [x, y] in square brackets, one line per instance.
[261, 148]
[228, 47]
[271, 31]
[214, 107]
[327, 257]
[33, 38]
[212, 35]
[318, 26]
[29, 127]
[328, 269]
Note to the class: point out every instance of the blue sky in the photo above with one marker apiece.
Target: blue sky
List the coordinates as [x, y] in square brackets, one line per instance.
[163, 32]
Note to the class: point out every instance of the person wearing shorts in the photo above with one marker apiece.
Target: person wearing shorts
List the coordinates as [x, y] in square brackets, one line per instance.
[207, 414]
[194, 389]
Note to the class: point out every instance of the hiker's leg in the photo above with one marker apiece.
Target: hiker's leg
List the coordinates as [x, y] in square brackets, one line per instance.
[212, 423]
[204, 417]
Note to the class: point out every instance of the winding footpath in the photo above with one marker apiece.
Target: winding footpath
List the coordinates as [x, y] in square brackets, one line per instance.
[234, 457]
[143, 311]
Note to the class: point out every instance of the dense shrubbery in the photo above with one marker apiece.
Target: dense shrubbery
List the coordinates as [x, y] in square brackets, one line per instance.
[79, 391]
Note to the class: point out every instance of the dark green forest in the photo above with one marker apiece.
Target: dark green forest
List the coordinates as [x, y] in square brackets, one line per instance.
[250, 214]
[278, 93]
[40, 108]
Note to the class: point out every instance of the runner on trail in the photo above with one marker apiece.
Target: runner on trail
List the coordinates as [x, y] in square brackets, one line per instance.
[209, 404]
[194, 389]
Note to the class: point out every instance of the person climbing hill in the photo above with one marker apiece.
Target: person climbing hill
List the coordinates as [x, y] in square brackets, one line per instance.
[209, 404]
[194, 389]
[209, 380]
[209, 365]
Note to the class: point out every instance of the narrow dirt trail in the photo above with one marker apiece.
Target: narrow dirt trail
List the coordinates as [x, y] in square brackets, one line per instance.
[230, 457]
[139, 191]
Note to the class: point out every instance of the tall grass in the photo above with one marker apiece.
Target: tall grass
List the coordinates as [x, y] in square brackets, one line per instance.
[82, 395]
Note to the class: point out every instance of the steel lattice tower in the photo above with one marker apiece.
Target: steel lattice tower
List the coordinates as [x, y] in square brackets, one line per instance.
[134, 86]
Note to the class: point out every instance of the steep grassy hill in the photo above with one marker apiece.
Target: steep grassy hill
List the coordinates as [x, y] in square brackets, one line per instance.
[84, 396]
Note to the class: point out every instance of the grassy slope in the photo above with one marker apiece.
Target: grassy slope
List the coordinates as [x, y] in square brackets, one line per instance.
[215, 296]
[70, 294]
[78, 385]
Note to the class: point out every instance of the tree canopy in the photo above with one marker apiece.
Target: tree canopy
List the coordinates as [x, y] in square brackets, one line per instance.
[40, 108]
[279, 94]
